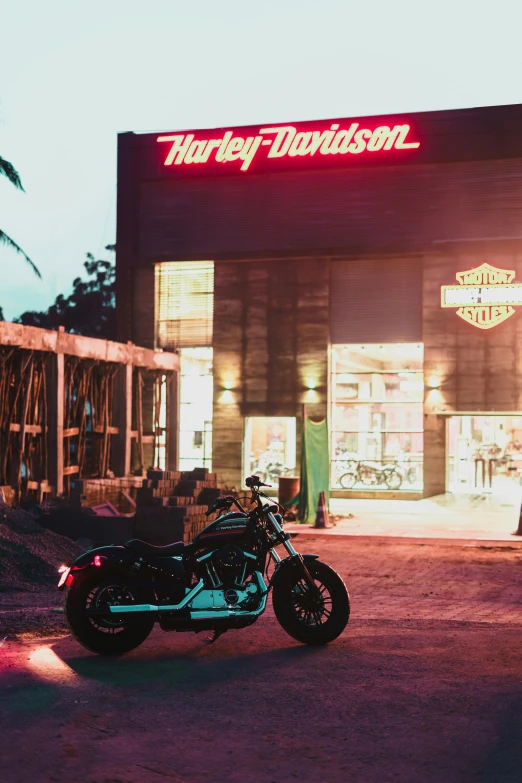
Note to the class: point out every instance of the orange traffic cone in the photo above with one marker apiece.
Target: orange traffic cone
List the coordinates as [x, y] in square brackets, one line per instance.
[518, 532]
[322, 519]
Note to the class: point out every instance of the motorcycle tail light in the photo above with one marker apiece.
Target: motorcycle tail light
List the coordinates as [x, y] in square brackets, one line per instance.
[64, 571]
[97, 560]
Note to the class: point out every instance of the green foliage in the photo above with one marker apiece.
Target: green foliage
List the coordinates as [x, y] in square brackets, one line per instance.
[8, 170]
[91, 308]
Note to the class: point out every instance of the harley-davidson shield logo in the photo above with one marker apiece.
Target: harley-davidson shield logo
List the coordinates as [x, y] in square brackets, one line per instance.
[485, 296]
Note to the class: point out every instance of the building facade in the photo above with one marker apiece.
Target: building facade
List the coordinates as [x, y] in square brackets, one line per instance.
[366, 269]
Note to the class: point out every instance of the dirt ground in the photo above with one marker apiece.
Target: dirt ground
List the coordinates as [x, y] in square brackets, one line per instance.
[424, 685]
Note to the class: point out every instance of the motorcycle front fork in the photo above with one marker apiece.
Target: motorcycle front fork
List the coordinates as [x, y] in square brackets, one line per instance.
[297, 558]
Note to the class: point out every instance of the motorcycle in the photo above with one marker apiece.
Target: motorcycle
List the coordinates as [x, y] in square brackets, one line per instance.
[218, 582]
[406, 468]
[269, 469]
[372, 474]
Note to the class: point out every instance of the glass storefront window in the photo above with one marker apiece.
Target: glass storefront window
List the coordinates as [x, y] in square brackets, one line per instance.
[485, 454]
[195, 408]
[270, 447]
[376, 419]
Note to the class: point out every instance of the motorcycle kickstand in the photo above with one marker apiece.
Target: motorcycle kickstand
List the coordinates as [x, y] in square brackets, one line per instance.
[215, 637]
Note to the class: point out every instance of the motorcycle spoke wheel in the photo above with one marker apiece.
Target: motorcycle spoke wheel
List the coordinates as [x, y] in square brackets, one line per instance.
[348, 480]
[311, 619]
[102, 634]
[393, 480]
[108, 595]
[309, 611]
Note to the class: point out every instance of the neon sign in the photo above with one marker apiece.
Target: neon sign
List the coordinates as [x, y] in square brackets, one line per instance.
[485, 296]
[284, 141]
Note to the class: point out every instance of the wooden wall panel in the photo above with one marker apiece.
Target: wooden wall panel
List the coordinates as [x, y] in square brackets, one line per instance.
[381, 210]
[270, 336]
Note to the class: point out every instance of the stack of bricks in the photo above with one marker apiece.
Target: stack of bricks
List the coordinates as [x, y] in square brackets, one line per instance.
[94, 492]
[171, 506]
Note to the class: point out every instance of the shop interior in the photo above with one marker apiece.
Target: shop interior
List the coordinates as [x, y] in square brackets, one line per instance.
[485, 454]
[195, 408]
[270, 447]
[376, 397]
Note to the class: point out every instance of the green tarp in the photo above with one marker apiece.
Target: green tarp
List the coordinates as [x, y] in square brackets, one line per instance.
[315, 468]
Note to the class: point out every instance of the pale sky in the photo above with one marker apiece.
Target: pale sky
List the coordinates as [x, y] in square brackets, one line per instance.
[74, 74]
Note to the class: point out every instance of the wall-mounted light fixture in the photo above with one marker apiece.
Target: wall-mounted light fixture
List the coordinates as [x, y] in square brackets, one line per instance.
[311, 395]
[433, 382]
[227, 396]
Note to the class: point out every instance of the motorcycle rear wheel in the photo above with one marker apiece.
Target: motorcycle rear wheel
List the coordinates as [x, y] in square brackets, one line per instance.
[348, 480]
[99, 634]
[300, 617]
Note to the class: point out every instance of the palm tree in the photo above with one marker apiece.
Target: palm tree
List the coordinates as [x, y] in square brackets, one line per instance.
[9, 171]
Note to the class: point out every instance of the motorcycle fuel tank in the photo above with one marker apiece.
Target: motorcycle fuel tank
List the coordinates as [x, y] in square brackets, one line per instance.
[223, 530]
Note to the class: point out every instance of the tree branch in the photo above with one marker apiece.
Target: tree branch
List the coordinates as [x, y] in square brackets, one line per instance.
[9, 171]
[5, 240]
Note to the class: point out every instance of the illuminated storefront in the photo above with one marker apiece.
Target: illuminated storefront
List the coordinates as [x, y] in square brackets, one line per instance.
[485, 454]
[376, 419]
[369, 269]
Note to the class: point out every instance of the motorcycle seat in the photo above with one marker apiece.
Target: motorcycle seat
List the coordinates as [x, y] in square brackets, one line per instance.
[143, 548]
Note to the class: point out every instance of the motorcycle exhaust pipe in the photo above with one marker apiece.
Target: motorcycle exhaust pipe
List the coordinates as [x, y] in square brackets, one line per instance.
[219, 614]
[197, 614]
[144, 608]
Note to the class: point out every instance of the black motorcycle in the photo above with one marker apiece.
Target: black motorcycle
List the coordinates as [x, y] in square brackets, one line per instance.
[218, 582]
[372, 474]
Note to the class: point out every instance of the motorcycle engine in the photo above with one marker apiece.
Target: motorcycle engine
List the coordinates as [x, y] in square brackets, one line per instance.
[230, 561]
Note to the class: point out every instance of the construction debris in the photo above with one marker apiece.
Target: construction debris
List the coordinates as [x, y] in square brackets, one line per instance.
[29, 554]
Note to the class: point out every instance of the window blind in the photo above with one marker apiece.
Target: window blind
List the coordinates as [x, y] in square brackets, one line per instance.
[184, 304]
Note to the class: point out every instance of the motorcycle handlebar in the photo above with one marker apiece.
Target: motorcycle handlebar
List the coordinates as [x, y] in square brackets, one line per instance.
[253, 482]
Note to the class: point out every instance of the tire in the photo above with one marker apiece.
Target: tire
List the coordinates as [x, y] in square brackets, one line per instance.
[291, 610]
[348, 480]
[101, 636]
[393, 479]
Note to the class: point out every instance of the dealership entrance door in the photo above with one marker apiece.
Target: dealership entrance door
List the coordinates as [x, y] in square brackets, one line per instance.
[485, 454]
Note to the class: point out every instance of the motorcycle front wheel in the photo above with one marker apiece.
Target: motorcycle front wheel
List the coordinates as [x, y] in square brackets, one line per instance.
[348, 480]
[100, 634]
[308, 618]
[393, 479]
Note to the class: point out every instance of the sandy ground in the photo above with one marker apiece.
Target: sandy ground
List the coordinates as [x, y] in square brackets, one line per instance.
[423, 686]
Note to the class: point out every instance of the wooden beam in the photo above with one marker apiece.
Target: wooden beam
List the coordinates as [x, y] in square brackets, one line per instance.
[56, 392]
[123, 415]
[100, 429]
[71, 432]
[34, 339]
[71, 470]
[23, 425]
[172, 422]
[30, 429]
[139, 417]
[144, 439]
